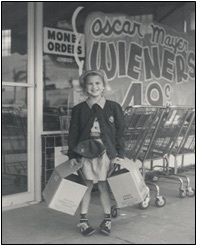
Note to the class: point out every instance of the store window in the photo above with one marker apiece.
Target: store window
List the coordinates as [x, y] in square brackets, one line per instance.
[129, 41]
[60, 69]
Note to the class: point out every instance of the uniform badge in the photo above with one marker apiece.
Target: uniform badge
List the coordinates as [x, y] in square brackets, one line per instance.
[82, 150]
[111, 119]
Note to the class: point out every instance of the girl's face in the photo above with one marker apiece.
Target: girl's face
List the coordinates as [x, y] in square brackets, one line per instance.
[94, 85]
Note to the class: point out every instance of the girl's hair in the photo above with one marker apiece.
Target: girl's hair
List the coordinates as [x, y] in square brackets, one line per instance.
[100, 73]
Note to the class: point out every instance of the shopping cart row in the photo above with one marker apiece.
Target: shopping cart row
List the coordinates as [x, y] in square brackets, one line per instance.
[157, 133]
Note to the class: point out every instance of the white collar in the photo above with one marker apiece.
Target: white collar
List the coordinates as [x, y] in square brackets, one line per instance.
[101, 102]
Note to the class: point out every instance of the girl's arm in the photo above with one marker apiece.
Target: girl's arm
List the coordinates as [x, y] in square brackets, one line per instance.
[120, 131]
[73, 134]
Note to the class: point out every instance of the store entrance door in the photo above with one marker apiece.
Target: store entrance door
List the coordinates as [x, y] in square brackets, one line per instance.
[17, 104]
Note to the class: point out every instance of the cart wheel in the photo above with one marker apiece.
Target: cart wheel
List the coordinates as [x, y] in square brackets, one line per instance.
[155, 178]
[190, 192]
[144, 204]
[160, 201]
[114, 211]
[182, 193]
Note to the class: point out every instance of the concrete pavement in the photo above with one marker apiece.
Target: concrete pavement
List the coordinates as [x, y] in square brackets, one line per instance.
[172, 224]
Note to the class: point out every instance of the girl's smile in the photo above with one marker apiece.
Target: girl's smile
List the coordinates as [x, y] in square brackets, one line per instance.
[94, 86]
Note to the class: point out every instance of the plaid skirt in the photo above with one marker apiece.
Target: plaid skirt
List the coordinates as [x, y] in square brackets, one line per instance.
[96, 169]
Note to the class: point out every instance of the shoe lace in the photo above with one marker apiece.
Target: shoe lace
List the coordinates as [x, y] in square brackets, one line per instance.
[83, 226]
[108, 224]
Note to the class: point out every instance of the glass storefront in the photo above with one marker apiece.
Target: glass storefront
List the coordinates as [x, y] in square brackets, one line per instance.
[40, 72]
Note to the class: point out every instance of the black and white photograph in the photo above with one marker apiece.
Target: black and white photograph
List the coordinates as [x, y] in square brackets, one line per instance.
[98, 124]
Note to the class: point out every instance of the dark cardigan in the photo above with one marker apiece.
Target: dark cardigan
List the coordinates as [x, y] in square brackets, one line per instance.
[112, 126]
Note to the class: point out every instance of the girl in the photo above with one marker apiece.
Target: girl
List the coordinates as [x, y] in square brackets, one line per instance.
[95, 139]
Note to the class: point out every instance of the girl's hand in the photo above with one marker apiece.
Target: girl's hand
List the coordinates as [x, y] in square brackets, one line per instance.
[117, 159]
[73, 162]
[115, 163]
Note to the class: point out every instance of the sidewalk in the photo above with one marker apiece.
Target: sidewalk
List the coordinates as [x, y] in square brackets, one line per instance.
[172, 224]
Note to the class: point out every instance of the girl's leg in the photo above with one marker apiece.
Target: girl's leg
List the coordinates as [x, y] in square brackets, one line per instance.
[105, 226]
[84, 225]
[87, 197]
[104, 196]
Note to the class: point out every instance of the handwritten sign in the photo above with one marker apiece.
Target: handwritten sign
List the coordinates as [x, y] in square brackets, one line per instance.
[154, 67]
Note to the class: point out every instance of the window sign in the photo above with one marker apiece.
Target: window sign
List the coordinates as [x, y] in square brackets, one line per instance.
[63, 42]
[146, 63]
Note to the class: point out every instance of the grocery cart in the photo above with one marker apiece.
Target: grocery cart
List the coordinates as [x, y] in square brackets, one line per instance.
[168, 135]
[141, 125]
[185, 144]
[14, 144]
